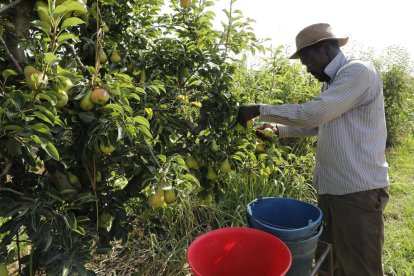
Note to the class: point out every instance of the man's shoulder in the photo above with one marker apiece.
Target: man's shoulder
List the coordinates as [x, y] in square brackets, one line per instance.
[357, 65]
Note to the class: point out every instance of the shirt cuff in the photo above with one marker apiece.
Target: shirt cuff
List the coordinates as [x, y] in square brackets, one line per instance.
[282, 131]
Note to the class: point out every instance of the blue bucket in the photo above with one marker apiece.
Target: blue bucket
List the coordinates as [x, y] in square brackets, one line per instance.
[287, 218]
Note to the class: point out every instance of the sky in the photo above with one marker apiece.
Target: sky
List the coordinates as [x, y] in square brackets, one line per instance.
[374, 24]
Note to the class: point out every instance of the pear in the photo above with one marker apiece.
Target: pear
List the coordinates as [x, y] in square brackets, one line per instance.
[213, 146]
[238, 127]
[191, 162]
[156, 199]
[62, 99]
[35, 79]
[105, 27]
[115, 57]
[169, 196]
[268, 132]
[86, 103]
[185, 3]
[66, 85]
[211, 174]
[260, 147]
[102, 56]
[225, 166]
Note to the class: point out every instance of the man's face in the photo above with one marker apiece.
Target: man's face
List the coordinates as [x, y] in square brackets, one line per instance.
[316, 59]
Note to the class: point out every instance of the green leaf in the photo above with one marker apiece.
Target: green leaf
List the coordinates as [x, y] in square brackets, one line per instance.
[73, 6]
[27, 156]
[72, 21]
[49, 57]
[115, 107]
[51, 151]
[59, 10]
[43, 117]
[48, 243]
[141, 120]
[87, 117]
[44, 26]
[40, 127]
[145, 130]
[8, 72]
[66, 36]
[13, 128]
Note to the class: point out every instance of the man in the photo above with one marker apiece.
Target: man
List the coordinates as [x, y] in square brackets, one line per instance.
[351, 173]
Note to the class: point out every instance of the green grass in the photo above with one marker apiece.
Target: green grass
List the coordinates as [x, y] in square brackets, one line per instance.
[399, 214]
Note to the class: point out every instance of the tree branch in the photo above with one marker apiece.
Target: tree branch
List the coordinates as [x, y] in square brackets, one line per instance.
[78, 60]
[11, 5]
[16, 63]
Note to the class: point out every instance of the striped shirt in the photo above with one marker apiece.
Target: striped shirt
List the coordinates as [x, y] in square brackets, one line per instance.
[349, 119]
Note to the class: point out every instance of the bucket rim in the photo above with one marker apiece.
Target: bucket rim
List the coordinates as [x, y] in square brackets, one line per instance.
[238, 229]
[313, 224]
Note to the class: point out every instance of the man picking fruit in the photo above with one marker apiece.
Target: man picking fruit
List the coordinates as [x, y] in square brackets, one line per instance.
[351, 173]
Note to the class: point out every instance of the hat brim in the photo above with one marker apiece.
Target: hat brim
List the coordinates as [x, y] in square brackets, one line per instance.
[341, 42]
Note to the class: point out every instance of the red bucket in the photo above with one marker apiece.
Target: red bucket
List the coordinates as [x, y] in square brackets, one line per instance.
[238, 251]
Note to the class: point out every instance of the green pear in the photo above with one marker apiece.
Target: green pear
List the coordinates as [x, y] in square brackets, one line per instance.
[63, 99]
[35, 79]
[86, 103]
[169, 196]
[156, 198]
[105, 27]
[213, 146]
[191, 162]
[225, 166]
[102, 56]
[211, 174]
[268, 132]
[115, 57]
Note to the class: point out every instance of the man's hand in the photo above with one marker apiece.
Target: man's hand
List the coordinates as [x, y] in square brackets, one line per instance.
[261, 133]
[247, 113]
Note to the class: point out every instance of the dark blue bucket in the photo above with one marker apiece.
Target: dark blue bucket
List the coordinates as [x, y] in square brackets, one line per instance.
[287, 218]
[303, 253]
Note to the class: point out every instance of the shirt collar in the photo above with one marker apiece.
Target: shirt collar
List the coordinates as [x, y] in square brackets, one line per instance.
[332, 68]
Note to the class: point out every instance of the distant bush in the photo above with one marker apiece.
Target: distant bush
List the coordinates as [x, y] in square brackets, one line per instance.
[399, 103]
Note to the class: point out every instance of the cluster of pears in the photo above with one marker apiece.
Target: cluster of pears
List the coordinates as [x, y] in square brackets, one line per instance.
[63, 90]
[97, 96]
[193, 163]
[161, 197]
[115, 56]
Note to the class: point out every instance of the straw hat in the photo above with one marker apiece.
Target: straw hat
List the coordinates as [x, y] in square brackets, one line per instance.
[313, 34]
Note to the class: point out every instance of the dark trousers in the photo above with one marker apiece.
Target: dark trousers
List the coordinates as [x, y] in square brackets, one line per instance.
[354, 225]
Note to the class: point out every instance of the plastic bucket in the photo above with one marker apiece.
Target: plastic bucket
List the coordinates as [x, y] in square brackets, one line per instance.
[303, 253]
[238, 251]
[286, 218]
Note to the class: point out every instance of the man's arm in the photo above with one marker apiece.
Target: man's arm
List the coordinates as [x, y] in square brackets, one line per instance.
[348, 91]
[287, 131]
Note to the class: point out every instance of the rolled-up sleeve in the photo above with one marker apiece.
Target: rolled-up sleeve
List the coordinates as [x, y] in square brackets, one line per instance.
[349, 90]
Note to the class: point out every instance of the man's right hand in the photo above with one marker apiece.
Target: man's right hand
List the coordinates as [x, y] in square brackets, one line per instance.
[247, 112]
